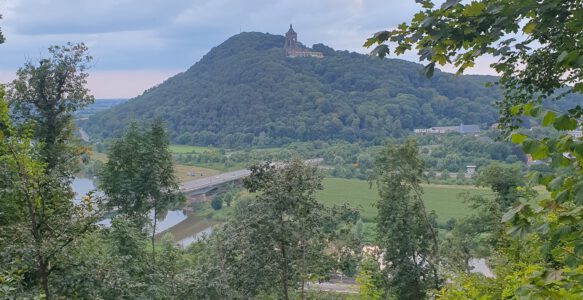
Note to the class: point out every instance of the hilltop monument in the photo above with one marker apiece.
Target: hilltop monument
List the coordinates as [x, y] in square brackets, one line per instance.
[294, 49]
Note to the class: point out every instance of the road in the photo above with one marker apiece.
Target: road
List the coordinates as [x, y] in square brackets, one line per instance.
[198, 184]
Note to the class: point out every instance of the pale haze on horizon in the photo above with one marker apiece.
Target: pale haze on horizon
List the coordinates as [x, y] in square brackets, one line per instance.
[137, 45]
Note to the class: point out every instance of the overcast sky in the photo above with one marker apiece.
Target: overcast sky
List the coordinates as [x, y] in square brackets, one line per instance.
[139, 43]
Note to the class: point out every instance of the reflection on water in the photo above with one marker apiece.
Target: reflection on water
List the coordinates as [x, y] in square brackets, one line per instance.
[185, 228]
[82, 186]
[195, 238]
[169, 220]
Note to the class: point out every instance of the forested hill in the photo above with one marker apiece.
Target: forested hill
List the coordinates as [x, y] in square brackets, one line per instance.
[246, 92]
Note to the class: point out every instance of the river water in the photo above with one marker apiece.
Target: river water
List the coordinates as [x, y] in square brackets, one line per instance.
[186, 228]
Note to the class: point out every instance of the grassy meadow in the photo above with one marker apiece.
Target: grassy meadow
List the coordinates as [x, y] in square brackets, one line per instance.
[184, 149]
[441, 198]
[180, 170]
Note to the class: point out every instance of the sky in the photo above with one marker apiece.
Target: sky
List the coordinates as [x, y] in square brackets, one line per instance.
[137, 44]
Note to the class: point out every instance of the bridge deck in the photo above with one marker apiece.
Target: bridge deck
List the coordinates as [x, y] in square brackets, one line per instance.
[202, 183]
[206, 182]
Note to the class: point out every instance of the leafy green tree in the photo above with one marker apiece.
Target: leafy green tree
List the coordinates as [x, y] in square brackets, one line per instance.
[2, 39]
[122, 177]
[405, 230]
[539, 57]
[445, 175]
[294, 218]
[217, 202]
[371, 280]
[162, 182]
[49, 93]
[41, 159]
[139, 176]
[231, 195]
[283, 231]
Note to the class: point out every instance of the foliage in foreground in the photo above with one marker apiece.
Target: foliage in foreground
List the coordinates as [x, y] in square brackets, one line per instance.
[38, 155]
[545, 61]
[138, 177]
[406, 233]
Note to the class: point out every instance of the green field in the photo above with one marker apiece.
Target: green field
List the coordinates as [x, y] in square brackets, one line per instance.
[183, 149]
[441, 198]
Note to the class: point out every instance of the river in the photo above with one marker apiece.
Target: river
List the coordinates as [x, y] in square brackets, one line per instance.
[186, 228]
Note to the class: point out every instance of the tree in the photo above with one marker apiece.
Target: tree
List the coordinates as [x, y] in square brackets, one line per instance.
[42, 158]
[405, 230]
[139, 176]
[294, 216]
[162, 183]
[217, 202]
[2, 39]
[49, 94]
[283, 231]
[539, 58]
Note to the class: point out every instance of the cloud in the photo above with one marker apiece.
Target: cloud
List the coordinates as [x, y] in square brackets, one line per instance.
[40, 17]
[140, 36]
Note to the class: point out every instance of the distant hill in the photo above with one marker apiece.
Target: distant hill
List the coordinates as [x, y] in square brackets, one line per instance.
[246, 92]
[97, 106]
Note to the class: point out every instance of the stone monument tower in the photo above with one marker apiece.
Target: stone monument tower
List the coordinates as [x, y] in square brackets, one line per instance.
[293, 48]
[291, 42]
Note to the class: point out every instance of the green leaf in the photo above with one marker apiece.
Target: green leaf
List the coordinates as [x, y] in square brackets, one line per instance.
[564, 122]
[549, 118]
[535, 148]
[429, 69]
[553, 276]
[579, 248]
[534, 178]
[515, 109]
[518, 138]
[562, 56]
[509, 215]
[474, 9]
[578, 193]
[381, 51]
[535, 112]
[526, 108]
[529, 27]
[562, 196]
[518, 231]
[556, 183]
[578, 149]
[449, 4]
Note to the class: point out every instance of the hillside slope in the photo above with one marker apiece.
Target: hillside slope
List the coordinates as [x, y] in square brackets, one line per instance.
[246, 92]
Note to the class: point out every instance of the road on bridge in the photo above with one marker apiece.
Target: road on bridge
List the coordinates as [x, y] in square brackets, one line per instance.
[206, 182]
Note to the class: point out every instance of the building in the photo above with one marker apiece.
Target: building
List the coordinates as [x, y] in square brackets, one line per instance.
[576, 134]
[470, 171]
[463, 129]
[293, 48]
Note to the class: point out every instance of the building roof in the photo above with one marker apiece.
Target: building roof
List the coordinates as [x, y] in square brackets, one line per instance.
[469, 128]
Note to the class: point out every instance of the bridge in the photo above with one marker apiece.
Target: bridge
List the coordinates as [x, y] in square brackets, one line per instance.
[202, 186]
[208, 183]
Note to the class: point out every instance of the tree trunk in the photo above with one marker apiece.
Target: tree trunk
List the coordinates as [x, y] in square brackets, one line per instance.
[284, 273]
[154, 233]
[434, 239]
[43, 273]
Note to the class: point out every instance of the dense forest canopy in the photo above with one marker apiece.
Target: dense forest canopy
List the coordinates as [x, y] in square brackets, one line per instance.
[245, 92]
